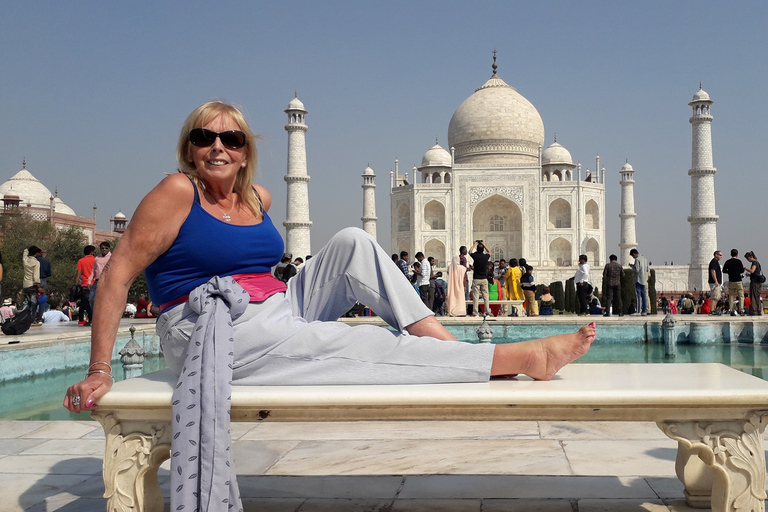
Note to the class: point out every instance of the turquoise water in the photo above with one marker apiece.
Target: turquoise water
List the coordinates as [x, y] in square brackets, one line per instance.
[39, 398]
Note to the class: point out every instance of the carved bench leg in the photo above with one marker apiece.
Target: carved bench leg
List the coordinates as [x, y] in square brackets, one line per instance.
[721, 463]
[131, 459]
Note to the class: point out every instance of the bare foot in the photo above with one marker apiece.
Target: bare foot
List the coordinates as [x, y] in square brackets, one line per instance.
[541, 359]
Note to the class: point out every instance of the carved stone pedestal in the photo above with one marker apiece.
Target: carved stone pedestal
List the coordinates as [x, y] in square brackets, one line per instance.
[721, 463]
[134, 452]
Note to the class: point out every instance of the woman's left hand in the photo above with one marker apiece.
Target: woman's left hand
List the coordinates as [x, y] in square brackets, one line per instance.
[84, 395]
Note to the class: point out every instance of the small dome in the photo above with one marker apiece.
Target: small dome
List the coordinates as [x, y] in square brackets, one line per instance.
[368, 171]
[436, 156]
[556, 154]
[119, 216]
[60, 207]
[296, 104]
[701, 95]
[626, 168]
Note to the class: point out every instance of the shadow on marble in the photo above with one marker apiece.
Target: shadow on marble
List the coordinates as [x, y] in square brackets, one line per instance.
[622, 458]
[397, 457]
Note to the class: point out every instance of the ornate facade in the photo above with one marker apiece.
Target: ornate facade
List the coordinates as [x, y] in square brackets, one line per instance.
[498, 184]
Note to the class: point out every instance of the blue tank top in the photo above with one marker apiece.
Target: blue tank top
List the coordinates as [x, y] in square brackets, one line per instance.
[207, 247]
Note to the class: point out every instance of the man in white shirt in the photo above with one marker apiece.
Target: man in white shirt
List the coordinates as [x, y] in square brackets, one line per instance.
[422, 280]
[581, 280]
[53, 316]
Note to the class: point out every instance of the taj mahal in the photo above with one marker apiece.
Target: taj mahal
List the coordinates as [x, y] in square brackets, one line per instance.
[498, 182]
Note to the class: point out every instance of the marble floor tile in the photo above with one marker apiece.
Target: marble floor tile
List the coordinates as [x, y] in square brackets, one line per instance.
[527, 505]
[63, 430]
[399, 457]
[272, 504]
[17, 428]
[256, 457]
[347, 487]
[521, 486]
[357, 430]
[612, 505]
[666, 487]
[76, 447]
[344, 505]
[622, 458]
[13, 446]
[51, 465]
[239, 428]
[681, 506]
[21, 491]
[602, 430]
[68, 503]
[471, 505]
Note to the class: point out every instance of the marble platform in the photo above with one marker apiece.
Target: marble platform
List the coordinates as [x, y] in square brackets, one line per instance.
[373, 466]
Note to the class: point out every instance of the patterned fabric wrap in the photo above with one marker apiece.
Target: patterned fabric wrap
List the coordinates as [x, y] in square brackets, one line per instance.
[202, 472]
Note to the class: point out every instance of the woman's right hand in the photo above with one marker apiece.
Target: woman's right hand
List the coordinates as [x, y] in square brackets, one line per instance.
[84, 395]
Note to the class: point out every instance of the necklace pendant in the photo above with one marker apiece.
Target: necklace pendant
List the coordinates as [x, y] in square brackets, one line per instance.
[226, 217]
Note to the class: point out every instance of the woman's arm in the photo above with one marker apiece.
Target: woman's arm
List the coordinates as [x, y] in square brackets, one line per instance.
[152, 230]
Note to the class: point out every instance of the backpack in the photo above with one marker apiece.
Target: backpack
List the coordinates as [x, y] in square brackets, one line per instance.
[19, 324]
[74, 292]
[439, 292]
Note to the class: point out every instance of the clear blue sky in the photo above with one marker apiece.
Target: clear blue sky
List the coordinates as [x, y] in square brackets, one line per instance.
[93, 95]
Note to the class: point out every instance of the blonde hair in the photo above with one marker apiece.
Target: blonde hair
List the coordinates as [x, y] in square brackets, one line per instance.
[203, 115]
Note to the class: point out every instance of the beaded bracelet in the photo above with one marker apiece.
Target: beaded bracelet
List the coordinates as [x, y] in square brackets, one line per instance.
[101, 362]
[91, 372]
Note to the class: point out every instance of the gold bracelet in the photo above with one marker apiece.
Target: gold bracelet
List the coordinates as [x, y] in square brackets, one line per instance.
[100, 362]
[91, 372]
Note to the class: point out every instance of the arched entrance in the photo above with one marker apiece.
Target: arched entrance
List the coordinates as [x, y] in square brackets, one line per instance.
[499, 222]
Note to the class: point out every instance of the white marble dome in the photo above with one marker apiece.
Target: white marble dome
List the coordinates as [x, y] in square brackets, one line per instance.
[496, 120]
[436, 156]
[119, 216]
[626, 168]
[701, 95]
[31, 191]
[368, 171]
[296, 104]
[556, 154]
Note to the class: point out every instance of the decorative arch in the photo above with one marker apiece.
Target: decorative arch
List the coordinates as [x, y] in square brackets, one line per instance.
[434, 215]
[559, 214]
[560, 252]
[403, 217]
[447, 178]
[495, 211]
[591, 215]
[592, 250]
[436, 249]
[436, 177]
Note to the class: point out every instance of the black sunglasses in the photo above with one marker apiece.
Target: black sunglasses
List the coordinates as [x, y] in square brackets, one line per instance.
[202, 138]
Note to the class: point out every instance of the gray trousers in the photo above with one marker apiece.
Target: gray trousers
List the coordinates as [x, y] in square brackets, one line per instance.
[293, 338]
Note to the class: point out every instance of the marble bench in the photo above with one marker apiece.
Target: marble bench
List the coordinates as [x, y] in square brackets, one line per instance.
[715, 413]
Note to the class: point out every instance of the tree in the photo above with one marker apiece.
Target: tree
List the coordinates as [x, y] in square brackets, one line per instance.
[558, 293]
[628, 290]
[571, 303]
[652, 292]
[62, 248]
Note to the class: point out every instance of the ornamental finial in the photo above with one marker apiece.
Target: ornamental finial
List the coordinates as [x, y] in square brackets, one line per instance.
[495, 67]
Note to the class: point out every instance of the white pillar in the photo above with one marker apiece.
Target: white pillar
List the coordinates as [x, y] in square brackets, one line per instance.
[627, 238]
[703, 218]
[297, 223]
[369, 202]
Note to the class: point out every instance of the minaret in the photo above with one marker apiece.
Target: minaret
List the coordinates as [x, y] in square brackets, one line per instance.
[297, 221]
[369, 202]
[628, 238]
[703, 218]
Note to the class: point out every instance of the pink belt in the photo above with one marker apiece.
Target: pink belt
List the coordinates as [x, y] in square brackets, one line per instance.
[259, 286]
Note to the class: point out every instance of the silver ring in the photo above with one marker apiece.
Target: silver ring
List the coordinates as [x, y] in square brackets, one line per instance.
[76, 400]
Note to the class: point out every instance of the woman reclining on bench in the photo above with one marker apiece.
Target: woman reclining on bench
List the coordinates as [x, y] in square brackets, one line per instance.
[209, 221]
